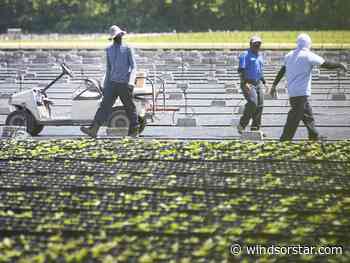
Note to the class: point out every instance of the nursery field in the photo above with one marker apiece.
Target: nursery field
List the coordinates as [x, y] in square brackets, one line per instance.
[331, 39]
[271, 39]
[85, 200]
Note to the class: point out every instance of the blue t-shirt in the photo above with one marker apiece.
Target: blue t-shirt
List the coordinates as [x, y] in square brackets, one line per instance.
[252, 64]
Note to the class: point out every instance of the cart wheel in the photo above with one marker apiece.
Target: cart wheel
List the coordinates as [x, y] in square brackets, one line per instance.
[118, 119]
[23, 118]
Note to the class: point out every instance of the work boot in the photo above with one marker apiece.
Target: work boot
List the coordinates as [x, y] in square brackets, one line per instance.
[255, 128]
[240, 129]
[134, 132]
[91, 131]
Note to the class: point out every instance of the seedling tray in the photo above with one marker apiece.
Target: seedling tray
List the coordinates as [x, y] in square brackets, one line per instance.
[95, 199]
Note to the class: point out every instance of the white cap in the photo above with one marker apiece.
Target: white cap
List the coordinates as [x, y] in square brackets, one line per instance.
[115, 31]
[255, 39]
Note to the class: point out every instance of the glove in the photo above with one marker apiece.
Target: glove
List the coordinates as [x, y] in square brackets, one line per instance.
[246, 88]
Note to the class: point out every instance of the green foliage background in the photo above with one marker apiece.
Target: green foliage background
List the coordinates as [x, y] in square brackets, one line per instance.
[84, 16]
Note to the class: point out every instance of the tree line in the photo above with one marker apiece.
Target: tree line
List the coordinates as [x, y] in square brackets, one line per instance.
[87, 16]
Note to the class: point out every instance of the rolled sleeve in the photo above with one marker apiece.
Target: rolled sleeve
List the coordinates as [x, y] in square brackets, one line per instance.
[315, 60]
[242, 61]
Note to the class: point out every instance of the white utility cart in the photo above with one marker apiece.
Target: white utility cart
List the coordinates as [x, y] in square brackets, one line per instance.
[32, 107]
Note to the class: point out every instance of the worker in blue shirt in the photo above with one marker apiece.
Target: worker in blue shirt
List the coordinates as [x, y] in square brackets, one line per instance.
[119, 82]
[252, 79]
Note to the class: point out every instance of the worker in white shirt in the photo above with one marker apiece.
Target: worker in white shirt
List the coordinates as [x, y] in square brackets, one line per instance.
[298, 66]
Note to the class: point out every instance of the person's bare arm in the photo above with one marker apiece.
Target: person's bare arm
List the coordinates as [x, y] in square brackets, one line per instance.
[244, 85]
[333, 65]
[278, 78]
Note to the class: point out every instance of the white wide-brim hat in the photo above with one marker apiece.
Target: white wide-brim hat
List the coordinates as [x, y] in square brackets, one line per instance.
[255, 39]
[115, 31]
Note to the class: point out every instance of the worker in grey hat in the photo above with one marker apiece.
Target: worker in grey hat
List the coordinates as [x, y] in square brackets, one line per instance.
[298, 66]
[119, 82]
[251, 66]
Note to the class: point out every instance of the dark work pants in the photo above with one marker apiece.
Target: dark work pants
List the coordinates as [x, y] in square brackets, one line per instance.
[301, 110]
[254, 107]
[110, 95]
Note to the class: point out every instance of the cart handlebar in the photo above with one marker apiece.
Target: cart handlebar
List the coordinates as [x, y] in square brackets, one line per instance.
[65, 71]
